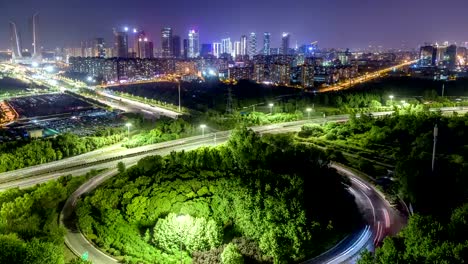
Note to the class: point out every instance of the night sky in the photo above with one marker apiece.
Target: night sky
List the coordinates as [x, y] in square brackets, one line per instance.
[334, 23]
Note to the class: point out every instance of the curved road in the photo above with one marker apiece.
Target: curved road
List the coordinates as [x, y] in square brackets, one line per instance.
[381, 219]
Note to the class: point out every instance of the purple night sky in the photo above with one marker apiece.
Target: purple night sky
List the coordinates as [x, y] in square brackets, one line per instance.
[334, 23]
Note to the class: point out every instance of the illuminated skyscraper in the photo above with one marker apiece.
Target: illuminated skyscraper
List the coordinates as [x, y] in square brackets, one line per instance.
[193, 44]
[237, 49]
[216, 49]
[226, 46]
[285, 44]
[266, 43]
[243, 41]
[166, 42]
[15, 41]
[252, 51]
[121, 44]
[176, 46]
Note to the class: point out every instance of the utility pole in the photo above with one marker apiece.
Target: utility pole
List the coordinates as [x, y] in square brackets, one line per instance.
[436, 133]
[178, 82]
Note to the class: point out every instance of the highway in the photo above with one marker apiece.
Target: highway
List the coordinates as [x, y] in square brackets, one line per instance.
[364, 78]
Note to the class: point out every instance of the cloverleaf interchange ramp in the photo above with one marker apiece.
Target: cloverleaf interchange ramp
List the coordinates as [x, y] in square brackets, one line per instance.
[372, 205]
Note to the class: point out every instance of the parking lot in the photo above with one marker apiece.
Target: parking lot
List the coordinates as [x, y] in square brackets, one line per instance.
[47, 105]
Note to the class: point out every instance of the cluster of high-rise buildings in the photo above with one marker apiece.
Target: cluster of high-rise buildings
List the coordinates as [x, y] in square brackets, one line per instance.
[443, 56]
[133, 57]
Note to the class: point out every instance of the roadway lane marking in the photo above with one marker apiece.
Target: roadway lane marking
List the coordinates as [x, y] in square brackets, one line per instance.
[360, 183]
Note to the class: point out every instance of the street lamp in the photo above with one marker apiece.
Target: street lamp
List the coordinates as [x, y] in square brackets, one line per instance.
[128, 125]
[181, 219]
[271, 108]
[308, 112]
[203, 126]
[391, 98]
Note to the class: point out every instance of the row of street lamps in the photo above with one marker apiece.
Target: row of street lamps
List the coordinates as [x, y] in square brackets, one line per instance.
[128, 125]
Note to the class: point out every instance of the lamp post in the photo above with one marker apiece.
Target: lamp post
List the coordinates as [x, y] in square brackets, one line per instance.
[271, 108]
[128, 125]
[391, 99]
[308, 112]
[203, 126]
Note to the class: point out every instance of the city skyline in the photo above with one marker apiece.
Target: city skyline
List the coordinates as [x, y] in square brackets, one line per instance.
[386, 24]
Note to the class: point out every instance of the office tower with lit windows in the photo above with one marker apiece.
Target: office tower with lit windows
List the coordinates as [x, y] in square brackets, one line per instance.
[252, 50]
[193, 44]
[176, 46]
[166, 42]
[243, 41]
[121, 44]
[15, 41]
[216, 47]
[226, 46]
[266, 43]
[285, 43]
[237, 49]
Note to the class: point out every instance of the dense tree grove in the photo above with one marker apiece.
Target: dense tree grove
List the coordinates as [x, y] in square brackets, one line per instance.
[436, 233]
[164, 130]
[20, 154]
[29, 230]
[269, 199]
[426, 239]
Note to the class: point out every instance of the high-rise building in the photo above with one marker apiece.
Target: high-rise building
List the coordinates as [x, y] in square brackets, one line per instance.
[237, 49]
[120, 44]
[193, 44]
[176, 46]
[99, 48]
[440, 52]
[148, 49]
[451, 57]
[15, 41]
[243, 41]
[427, 56]
[35, 35]
[206, 50]
[285, 43]
[166, 42]
[139, 43]
[216, 49]
[266, 43]
[186, 48]
[226, 46]
[252, 51]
